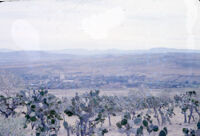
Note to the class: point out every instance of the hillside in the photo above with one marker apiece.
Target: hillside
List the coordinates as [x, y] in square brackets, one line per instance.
[167, 69]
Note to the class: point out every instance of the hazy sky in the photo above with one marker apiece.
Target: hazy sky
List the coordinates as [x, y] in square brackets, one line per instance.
[99, 24]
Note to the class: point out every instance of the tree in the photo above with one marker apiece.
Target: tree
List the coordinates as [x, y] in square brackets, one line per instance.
[188, 102]
[43, 112]
[89, 111]
[8, 105]
[111, 106]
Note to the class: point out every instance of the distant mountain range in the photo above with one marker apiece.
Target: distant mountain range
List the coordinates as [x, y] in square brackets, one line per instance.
[168, 50]
[105, 52]
[121, 52]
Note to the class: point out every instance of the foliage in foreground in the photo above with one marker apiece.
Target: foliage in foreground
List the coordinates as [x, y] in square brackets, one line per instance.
[44, 113]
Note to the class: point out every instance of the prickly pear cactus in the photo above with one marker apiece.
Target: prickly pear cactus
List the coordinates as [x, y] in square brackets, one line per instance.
[43, 112]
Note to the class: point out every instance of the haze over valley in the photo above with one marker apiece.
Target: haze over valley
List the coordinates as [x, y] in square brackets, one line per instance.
[156, 68]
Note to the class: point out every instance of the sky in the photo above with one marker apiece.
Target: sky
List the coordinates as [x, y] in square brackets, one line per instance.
[99, 24]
